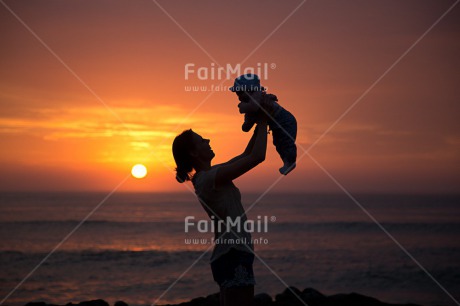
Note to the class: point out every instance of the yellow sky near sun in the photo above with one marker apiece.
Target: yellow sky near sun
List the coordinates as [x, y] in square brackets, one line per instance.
[145, 133]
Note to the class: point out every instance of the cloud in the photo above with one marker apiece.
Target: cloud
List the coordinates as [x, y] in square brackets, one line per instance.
[136, 123]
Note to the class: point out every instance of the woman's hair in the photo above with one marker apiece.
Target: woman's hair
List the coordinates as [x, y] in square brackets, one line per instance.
[181, 148]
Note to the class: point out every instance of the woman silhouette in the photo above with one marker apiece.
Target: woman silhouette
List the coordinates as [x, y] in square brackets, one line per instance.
[233, 254]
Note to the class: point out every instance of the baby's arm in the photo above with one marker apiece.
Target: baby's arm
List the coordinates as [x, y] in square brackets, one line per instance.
[251, 103]
[248, 107]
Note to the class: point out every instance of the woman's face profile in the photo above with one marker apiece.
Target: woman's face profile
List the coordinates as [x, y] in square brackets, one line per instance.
[202, 149]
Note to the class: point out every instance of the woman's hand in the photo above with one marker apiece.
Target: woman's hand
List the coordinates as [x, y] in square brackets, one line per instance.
[261, 118]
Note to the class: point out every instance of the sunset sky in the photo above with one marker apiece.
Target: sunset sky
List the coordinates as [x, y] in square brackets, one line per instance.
[90, 88]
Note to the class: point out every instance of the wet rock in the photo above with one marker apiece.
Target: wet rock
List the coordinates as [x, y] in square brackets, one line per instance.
[355, 299]
[289, 297]
[262, 299]
[94, 303]
[199, 301]
[312, 296]
[352, 299]
[213, 299]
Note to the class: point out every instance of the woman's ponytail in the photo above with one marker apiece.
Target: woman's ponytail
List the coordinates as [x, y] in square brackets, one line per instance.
[182, 145]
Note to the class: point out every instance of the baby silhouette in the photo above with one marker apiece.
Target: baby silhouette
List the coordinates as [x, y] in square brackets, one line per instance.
[253, 100]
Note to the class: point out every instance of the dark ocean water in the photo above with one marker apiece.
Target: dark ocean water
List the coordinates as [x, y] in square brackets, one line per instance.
[134, 247]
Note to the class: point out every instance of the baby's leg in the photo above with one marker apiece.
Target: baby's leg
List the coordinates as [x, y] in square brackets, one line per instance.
[288, 153]
[284, 128]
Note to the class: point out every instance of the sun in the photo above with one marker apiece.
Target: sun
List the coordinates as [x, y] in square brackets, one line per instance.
[139, 171]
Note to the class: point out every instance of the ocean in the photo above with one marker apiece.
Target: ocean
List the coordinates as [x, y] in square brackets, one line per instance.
[134, 247]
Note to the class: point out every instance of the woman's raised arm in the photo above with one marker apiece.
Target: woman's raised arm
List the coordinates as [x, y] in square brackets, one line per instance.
[248, 149]
[252, 156]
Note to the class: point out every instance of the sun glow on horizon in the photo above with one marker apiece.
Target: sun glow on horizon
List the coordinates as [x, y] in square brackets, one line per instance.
[139, 171]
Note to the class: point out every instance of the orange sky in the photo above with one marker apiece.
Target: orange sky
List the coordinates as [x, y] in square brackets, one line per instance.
[126, 99]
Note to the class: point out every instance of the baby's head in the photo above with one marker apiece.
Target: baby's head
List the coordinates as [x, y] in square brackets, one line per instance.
[246, 85]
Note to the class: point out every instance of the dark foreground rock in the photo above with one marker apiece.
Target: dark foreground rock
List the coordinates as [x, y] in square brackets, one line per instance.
[290, 297]
[294, 297]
